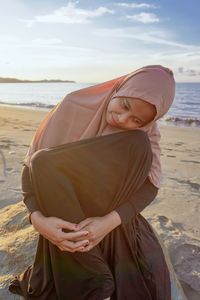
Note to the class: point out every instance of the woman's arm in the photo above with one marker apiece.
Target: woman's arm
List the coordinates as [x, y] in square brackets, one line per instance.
[128, 210]
[28, 193]
[139, 200]
[99, 227]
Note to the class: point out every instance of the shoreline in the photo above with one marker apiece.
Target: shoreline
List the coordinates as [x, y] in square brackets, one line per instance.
[46, 109]
[174, 214]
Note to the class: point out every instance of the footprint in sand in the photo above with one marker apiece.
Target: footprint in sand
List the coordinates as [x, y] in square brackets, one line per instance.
[2, 146]
[193, 185]
[11, 170]
[164, 221]
[166, 226]
[4, 140]
[11, 152]
[192, 161]
[169, 149]
[179, 144]
[27, 129]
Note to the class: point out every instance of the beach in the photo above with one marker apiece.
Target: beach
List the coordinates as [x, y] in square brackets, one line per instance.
[174, 214]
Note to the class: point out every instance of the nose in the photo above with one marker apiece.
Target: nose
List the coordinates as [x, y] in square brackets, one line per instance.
[123, 118]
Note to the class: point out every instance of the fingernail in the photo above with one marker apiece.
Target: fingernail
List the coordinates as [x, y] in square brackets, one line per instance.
[86, 233]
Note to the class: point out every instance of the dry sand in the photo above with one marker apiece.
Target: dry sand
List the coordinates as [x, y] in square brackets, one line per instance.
[174, 214]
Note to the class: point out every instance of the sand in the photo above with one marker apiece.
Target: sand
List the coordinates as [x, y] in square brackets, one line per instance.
[174, 214]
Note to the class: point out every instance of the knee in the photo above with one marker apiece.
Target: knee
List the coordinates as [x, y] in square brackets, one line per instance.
[39, 160]
[106, 286]
[109, 286]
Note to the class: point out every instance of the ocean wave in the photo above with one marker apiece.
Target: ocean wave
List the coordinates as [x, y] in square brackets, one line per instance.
[29, 104]
[188, 121]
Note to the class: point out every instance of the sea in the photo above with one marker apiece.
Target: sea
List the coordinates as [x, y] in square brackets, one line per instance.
[185, 110]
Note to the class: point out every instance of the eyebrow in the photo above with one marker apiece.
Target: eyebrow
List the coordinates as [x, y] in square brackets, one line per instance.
[129, 106]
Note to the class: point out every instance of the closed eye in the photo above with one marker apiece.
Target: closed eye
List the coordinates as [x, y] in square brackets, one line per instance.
[123, 104]
[138, 121]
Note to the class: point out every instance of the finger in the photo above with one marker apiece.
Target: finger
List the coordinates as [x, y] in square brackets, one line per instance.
[81, 238]
[73, 236]
[74, 246]
[84, 223]
[85, 249]
[69, 250]
[65, 249]
[68, 225]
[79, 249]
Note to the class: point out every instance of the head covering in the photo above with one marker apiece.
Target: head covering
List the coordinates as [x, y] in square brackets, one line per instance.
[82, 114]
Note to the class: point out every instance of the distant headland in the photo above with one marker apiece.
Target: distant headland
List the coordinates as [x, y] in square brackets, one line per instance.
[15, 80]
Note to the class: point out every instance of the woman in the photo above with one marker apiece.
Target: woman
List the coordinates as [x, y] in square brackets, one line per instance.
[100, 147]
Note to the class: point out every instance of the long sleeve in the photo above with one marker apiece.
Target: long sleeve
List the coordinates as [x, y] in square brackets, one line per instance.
[140, 199]
[27, 192]
[155, 172]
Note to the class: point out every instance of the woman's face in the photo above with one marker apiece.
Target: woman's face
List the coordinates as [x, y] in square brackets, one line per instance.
[129, 113]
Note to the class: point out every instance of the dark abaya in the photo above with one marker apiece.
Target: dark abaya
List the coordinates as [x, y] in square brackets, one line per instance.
[91, 178]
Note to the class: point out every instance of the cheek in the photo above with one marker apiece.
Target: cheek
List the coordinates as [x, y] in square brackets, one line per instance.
[114, 107]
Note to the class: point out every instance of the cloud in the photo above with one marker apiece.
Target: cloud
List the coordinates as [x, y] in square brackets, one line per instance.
[144, 18]
[151, 37]
[70, 14]
[8, 39]
[188, 72]
[135, 5]
[46, 42]
[194, 54]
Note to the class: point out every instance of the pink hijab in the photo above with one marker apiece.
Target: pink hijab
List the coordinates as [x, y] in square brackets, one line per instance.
[82, 114]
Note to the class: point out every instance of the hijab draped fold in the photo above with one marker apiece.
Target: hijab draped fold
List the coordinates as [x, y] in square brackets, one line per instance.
[82, 114]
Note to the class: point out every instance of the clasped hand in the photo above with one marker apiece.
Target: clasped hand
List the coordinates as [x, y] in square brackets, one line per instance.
[80, 237]
[98, 228]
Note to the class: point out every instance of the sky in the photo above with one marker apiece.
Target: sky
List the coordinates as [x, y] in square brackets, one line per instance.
[94, 41]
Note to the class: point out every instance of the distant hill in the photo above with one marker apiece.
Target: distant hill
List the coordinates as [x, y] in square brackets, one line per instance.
[15, 80]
